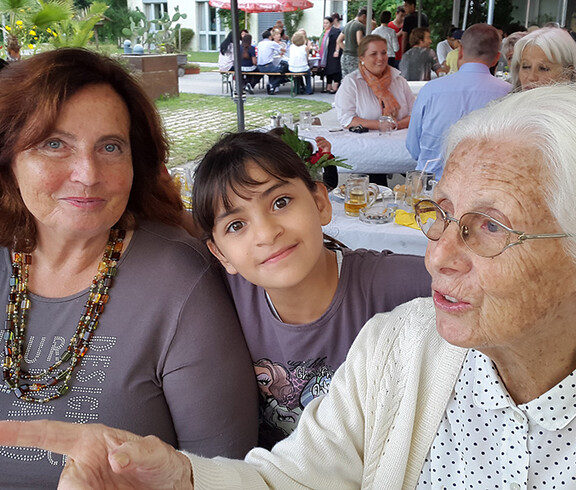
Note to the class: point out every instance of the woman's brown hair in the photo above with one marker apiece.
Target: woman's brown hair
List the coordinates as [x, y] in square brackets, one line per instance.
[32, 93]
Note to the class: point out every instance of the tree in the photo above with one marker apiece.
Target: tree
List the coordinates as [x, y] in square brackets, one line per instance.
[77, 31]
[27, 17]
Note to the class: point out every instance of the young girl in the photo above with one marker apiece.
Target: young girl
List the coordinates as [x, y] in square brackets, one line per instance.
[300, 303]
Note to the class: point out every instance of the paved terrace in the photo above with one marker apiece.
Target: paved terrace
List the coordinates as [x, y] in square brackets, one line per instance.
[210, 83]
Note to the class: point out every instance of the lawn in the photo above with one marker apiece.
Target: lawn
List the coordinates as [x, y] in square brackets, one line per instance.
[194, 122]
[202, 56]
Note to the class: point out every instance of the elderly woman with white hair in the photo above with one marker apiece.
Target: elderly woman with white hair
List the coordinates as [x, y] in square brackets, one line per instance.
[544, 56]
[474, 387]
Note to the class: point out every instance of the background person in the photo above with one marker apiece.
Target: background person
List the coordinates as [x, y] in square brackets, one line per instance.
[448, 44]
[298, 60]
[349, 40]
[419, 61]
[91, 237]
[269, 49]
[411, 22]
[248, 63]
[507, 50]
[337, 19]
[374, 89]
[226, 54]
[390, 35]
[442, 102]
[474, 387]
[396, 25]
[330, 54]
[542, 57]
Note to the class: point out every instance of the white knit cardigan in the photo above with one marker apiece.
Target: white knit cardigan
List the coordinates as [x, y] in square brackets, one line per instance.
[376, 425]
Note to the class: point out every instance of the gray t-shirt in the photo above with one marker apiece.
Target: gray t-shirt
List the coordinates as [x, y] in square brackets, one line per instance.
[350, 41]
[167, 359]
[417, 64]
[295, 363]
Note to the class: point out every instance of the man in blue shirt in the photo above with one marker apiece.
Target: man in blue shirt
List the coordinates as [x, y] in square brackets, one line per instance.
[442, 102]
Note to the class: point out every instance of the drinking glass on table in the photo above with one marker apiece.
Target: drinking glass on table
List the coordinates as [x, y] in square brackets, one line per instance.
[306, 120]
[287, 120]
[360, 193]
[419, 185]
[386, 125]
[184, 178]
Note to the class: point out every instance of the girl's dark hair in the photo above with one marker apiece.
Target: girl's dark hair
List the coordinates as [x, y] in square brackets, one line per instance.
[224, 169]
[246, 44]
[227, 42]
[32, 93]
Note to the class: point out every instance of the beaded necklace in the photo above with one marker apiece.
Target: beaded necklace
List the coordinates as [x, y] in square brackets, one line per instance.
[15, 327]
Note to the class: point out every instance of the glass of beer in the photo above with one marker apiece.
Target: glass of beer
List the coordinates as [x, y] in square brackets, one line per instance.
[359, 194]
[419, 185]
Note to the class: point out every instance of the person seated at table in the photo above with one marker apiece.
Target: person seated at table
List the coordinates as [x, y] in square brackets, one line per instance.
[543, 57]
[474, 387]
[269, 51]
[298, 59]
[375, 89]
[111, 306]
[226, 54]
[300, 303]
[248, 63]
[419, 61]
[449, 44]
[507, 51]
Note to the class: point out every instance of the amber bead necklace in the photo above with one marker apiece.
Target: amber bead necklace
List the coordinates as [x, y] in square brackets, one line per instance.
[53, 382]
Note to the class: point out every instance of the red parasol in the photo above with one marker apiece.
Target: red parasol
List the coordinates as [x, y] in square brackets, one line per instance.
[257, 6]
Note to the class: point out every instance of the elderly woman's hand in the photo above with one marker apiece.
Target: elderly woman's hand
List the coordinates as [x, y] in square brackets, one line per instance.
[100, 457]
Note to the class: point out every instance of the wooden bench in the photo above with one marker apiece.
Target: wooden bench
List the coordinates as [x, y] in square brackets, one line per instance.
[228, 77]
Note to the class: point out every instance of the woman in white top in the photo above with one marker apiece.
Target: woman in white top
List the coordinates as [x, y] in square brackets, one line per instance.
[375, 89]
[226, 54]
[298, 60]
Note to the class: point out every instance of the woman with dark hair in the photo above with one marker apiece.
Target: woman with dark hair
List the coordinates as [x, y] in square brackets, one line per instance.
[330, 56]
[226, 54]
[114, 313]
[248, 63]
[301, 299]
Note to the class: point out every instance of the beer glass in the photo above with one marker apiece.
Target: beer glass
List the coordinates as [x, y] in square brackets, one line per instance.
[359, 194]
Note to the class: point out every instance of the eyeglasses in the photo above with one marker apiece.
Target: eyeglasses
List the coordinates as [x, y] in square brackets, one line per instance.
[482, 234]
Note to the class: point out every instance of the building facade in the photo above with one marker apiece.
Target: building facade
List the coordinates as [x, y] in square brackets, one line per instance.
[210, 31]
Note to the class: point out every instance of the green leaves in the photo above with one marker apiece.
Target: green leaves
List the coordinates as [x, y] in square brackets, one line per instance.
[77, 31]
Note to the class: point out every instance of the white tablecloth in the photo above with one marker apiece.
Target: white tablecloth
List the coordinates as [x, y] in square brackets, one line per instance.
[370, 152]
[390, 236]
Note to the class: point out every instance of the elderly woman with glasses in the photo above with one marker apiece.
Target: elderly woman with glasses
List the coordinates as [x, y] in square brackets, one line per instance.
[472, 388]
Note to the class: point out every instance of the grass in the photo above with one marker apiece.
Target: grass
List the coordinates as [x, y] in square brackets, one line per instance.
[194, 122]
[201, 56]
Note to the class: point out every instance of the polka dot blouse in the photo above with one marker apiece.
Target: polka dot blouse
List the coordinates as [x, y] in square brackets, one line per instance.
[487, 441]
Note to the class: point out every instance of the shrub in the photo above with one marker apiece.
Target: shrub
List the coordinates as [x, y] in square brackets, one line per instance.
[186, 36]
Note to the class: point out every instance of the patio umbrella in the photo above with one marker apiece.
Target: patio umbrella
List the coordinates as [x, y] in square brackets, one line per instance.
[258, 6]
[251, 6]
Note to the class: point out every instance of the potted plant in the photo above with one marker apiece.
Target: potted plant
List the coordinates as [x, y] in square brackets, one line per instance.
[191, 68]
